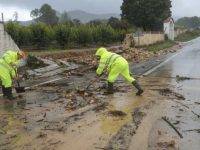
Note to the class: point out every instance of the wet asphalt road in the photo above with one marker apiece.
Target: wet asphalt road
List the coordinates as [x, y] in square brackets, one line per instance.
[186, 63]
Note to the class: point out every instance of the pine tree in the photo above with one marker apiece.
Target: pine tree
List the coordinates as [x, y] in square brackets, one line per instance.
[147, 14]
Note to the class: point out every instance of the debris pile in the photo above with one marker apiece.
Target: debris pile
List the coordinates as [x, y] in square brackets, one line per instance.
[88, 58]
[141, 54]
[80, 99]
[117, 113]
[34, 63]
[83, 57]
[180, 78]
[170, 93]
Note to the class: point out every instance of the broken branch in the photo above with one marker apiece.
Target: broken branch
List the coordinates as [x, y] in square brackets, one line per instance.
[182, 104]
[171, 125]
[2, 131]
[196, 130]
[195, 114]
[187, 108]
[100, 148]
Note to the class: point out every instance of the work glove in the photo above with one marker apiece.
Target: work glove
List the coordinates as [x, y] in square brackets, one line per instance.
[94, 67]
[16, 78]
[99, 76]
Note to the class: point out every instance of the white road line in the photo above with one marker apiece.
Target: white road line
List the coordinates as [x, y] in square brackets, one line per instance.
[163, 63]
[160, 65]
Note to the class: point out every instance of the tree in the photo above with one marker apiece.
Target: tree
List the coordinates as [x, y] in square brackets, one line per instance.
[84, 35]
[13, 29]
[42, 34]
[15, 16]
[189, 22]
[147, 14]
[35, 14]
[48, 15]
[114, 22]
[76, 22]
[64, 17]
[62, 35]
[95, 22]
[118, 24]
[45, 14]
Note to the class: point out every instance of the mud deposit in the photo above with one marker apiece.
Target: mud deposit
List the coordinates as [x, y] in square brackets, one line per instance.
[59, 112]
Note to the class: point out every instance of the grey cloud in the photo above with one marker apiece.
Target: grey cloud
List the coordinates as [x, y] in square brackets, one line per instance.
[94, 6]
[186, 8]
[180, 7]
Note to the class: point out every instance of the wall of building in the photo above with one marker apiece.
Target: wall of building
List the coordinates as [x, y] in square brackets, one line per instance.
[148, 38]
[169, 30]
[142, 39]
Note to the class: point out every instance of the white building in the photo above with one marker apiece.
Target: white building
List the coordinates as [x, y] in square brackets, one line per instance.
[169, 28]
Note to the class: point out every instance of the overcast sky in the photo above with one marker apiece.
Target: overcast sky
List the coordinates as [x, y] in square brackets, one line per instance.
[23, 7]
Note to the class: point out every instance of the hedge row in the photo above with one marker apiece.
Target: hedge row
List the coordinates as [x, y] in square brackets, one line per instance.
[63, 35]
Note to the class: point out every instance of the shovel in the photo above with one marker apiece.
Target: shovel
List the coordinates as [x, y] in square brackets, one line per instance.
[94, 81]
[91, 83]
[19, 89]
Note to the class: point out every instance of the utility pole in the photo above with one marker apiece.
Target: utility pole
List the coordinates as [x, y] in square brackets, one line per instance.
[2, 18]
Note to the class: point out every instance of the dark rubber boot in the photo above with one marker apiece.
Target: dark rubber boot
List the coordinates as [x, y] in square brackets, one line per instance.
[110, 89]
[138, 87]
[3, 91]
[8, 94]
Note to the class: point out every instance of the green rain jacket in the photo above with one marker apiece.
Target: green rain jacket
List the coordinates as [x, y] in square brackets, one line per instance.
[114, 64]
[9, 62]
[107, 60]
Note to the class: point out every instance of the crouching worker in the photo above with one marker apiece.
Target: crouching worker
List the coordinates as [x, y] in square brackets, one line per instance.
[8, 71]
[115, 65]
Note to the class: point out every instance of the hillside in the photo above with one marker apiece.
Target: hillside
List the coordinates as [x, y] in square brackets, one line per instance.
[83, 16]
[86, 17]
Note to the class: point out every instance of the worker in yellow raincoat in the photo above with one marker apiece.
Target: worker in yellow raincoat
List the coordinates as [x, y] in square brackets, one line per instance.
[8, 71]
[115, 65]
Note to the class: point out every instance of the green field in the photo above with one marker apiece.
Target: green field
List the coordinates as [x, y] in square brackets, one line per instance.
[189, 35]
[160, 46]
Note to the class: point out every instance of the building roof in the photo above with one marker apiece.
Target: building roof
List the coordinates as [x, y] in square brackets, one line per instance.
[170, 19]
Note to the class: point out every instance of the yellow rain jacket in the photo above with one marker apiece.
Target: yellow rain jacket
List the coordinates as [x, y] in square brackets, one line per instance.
[114, 64]
[8, 67]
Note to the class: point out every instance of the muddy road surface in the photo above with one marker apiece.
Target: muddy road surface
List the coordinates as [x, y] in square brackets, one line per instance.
[64, 115]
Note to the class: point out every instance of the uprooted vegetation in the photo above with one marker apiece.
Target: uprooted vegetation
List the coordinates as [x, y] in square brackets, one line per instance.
[78, 70]
[34, 63]
[87, 56]
[181, 78]
[169, 93]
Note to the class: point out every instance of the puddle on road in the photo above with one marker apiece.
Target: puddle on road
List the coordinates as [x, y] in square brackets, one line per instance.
[125, 102]
[31, 99]
[31, 107]
[120, 102]
[39, 98]
[104, 127]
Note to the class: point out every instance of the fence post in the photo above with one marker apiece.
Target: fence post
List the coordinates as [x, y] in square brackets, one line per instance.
[2, 18]
[138, 38]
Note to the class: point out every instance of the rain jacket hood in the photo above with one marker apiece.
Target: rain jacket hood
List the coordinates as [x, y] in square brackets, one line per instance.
[101, 51]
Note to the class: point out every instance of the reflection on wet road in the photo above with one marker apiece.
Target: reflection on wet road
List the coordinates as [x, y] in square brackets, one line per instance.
[186, 64]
